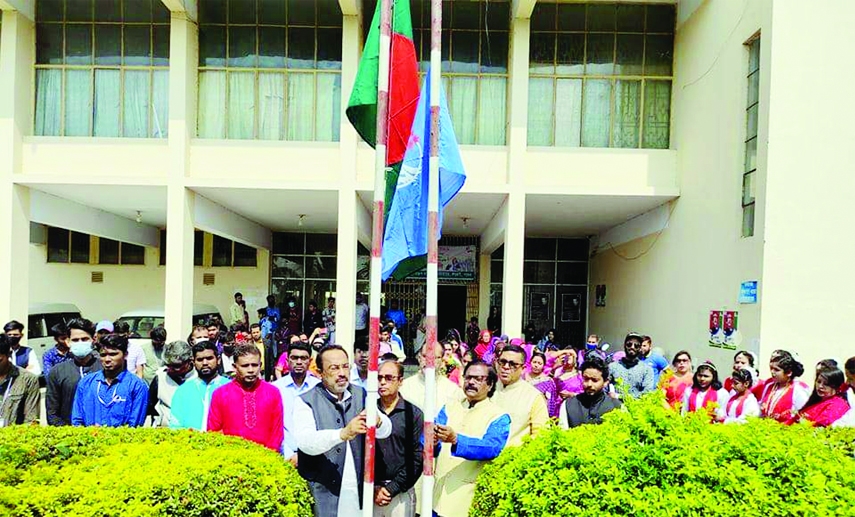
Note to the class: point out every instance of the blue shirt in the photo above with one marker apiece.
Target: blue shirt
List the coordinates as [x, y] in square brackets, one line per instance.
[290, 392]
[97, 403]
[275, 317]
[191, 402]
[478, 448]
[267, 326]
[398, 316]
[658, 363]
[52, 358]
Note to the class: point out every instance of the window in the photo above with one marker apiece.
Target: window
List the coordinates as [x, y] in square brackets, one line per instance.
[304, 266]
[270, 69]
[600, 75]
[198, 247]
[228, 253]
[115, 252]
[749, 174]
[64, 246]
[102, 68]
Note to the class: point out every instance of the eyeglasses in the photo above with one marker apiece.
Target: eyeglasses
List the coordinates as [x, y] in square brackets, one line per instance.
[632, 344]
[509, 364]
[476, 378]
[388, 378]
[296, 358]
[336, 367]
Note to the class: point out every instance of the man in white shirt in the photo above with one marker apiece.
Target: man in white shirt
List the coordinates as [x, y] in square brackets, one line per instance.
[291, 386]
[361, 318]
[330, 427]
[236, 311]
[135, 359]
[359, 370]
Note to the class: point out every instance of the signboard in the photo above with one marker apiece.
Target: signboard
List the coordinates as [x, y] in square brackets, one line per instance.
[571, 308]
[455, 263]
[748, 292]
[538, 307]
[723, 327]
[600, 296]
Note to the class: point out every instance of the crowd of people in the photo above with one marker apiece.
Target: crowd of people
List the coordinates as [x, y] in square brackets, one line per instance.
[300, 394]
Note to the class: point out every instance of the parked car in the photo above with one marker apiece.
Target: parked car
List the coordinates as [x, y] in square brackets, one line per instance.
[142, 321]
[43, 316]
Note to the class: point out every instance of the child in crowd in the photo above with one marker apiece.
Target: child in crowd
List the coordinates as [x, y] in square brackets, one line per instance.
[826, 404]
[705, 393]
[784, 395]
[742, 403]
[742, 359]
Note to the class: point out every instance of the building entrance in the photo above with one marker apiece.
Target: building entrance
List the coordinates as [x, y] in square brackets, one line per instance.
[451, 309]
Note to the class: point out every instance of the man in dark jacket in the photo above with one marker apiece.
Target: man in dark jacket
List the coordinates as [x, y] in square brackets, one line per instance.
[590, 406]
[63, 378]
[399, 458]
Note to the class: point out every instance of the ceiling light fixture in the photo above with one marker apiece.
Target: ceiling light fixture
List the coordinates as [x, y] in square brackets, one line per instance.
[139, 217]
[465, 222]
[300, 219]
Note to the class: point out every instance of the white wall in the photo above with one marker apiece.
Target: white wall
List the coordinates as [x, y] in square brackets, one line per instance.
[808, 301]
[666, 285]
[127, 288]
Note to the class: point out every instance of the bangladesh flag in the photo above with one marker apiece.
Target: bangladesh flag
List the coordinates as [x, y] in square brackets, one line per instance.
[403, 101]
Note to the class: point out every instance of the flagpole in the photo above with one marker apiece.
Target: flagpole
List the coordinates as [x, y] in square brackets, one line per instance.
[376, 285]
[432, 257]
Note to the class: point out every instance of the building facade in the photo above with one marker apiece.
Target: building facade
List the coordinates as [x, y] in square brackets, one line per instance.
[629, 165]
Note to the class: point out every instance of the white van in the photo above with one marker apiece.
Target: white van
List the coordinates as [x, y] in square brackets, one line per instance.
[144, 320]
[43, 316]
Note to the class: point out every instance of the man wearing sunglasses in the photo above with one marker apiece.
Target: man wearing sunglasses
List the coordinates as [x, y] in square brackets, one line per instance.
[177, 369]
[399, 458]
[521, 400]
[462, 456]
[630, 371]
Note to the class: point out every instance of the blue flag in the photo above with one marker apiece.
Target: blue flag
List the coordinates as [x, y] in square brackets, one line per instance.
[406, 232]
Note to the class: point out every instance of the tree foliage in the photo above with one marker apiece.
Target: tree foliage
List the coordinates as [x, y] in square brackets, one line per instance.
[649, 461]
[143, 472]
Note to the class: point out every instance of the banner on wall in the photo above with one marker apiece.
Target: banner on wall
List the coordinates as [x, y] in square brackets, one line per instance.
[455, 263]
[724, 332]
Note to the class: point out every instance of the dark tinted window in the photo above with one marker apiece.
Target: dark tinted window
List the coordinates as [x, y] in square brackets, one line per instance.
[57, 243]
[108, 251]
[133, 254]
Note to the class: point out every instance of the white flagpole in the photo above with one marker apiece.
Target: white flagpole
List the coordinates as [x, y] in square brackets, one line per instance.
[430, 402]
[376, 283]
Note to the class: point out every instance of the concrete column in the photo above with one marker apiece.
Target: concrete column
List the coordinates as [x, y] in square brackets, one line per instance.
[518, 104]
[483, 289]
[16, 121]
[14, 251]
[512, 289]
[348, 203]
[179, 261]
[514, 241]
[181, 202]
[183, 77]
[346, 270]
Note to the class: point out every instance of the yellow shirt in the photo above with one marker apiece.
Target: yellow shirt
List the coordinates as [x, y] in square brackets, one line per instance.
[527, 407]
[413, 390]
[456, 476]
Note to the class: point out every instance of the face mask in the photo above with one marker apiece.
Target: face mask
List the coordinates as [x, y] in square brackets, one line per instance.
[291, 304]
[81, 349]
[395, 331]
[590, 346]
[13, 340]
[228, 350]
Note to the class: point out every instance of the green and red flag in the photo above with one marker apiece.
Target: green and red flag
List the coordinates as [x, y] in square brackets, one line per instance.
[403, 101]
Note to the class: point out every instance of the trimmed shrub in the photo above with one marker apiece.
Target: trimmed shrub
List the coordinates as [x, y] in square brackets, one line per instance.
[63, 471]
[650, 461]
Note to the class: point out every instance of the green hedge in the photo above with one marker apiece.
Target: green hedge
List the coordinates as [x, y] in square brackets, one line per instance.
[143, 472]
[648, 461]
